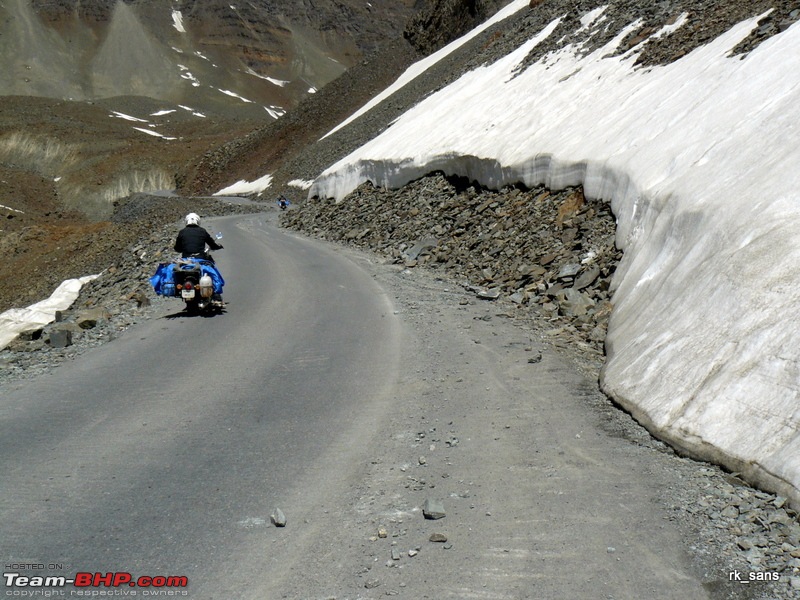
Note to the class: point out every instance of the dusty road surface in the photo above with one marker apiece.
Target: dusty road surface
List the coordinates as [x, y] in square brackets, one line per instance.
[350, 395]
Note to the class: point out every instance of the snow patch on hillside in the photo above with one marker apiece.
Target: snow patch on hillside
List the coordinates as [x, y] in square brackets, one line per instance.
[244, 188]
[177, 21]
[421, 66]
[19, 320]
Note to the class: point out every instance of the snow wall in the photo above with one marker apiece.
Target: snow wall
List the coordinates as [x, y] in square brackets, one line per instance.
[700, 160]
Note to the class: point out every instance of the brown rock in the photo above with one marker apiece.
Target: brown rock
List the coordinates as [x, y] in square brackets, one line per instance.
[570, 207]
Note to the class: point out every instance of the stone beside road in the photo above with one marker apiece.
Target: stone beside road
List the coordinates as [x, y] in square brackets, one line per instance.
[278, 518]
[433, 509]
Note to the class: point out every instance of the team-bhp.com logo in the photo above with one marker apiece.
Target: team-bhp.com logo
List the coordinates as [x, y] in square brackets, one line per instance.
[88, 583]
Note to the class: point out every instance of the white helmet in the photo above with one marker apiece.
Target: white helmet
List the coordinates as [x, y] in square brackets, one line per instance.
[193, 219]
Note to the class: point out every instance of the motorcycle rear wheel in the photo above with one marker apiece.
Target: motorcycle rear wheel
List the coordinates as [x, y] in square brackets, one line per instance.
[193, 307]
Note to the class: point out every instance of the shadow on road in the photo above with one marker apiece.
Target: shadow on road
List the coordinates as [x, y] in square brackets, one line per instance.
[184, 314]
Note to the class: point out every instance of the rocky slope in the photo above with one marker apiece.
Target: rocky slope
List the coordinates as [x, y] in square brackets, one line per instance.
[305, 160]
[291, 148]
[107, 99]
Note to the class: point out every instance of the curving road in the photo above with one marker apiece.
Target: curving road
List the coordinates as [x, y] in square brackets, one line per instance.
[161, 452]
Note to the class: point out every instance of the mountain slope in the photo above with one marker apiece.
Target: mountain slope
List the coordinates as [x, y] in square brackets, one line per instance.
[269, 54]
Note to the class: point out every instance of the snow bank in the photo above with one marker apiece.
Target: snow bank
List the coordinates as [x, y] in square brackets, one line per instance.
[700, 162]
[19, 320]
[244, 188]
[303, 184]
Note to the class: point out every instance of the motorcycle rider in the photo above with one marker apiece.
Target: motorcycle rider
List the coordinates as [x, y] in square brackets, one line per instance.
[192, 241]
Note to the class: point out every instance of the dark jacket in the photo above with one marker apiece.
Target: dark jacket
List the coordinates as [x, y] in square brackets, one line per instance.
[192, 239]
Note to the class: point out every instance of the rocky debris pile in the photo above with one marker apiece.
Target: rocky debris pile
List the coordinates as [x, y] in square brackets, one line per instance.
[142, 236]
[754, 531]
[552, 254]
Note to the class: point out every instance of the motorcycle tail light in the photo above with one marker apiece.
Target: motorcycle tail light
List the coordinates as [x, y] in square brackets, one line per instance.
[188, 285]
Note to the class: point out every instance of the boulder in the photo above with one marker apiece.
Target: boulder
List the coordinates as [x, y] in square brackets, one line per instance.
[88, 319]
[60, 338]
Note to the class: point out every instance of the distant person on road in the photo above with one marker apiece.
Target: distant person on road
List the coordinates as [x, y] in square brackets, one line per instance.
[192, 239]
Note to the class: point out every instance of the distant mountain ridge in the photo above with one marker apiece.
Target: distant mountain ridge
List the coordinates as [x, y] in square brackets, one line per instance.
[265, 54]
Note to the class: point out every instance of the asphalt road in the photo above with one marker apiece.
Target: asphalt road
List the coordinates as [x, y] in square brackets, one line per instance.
[161, 452]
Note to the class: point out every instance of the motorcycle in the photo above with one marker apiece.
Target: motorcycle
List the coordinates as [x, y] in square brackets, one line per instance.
[194, 283]
[194, 279]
